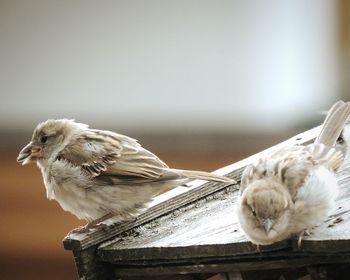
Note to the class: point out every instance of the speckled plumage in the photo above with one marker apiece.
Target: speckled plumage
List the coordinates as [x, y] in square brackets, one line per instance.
[293, 189]
[92, 173]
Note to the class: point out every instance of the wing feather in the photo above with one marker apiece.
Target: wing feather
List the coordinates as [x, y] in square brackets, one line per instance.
[292, 165]
[105, 153]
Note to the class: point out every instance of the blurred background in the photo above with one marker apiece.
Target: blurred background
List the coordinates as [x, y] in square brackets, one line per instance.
[200, 83]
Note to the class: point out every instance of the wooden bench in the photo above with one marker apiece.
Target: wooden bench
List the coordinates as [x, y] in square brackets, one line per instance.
[193, 233]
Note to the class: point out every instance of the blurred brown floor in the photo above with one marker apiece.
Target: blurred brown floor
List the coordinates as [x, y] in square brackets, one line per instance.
[32, 227]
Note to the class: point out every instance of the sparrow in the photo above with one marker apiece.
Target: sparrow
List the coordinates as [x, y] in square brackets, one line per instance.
[98, 174]
[293, 189]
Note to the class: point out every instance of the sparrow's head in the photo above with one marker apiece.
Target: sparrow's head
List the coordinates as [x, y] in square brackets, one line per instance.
[48, 139]
[265, 209]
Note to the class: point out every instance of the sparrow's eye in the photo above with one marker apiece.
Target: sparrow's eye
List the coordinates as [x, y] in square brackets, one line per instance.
[43, 139]
[254, 213]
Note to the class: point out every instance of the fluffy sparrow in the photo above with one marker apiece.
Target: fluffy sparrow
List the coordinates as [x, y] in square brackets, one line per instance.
[293, 189]
[97, 174]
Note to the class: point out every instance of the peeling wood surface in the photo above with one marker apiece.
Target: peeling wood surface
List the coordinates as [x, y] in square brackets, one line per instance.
[176, 198]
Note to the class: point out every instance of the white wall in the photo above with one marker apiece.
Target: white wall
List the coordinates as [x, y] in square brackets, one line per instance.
[187, 64]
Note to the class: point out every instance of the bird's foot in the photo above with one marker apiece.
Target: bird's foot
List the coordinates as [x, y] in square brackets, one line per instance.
[88, 227]
[101, 226]
[81, 229]
[303, 234]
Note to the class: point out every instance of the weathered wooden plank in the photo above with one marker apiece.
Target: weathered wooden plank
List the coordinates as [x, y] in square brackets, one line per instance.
[251, 257]
[285, 254]
[86, 240]
[89, 267]
[177, 198]
[231, 266]
[208, 227]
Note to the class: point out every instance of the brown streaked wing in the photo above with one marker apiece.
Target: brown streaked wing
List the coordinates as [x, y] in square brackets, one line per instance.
[106, 153]
[331, 157]
[294, 167]
[291, 165]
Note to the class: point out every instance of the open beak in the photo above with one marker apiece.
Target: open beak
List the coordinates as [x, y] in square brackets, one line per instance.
[28, 154]
[267, 225]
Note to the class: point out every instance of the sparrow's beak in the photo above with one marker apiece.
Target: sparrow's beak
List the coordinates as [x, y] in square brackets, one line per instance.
[267, 225]
[28, 154]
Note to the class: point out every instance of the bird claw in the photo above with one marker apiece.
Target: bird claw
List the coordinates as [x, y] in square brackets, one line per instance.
[81, 229]
[303, 234]
[258, 248]
[103, 227]
[88, 227]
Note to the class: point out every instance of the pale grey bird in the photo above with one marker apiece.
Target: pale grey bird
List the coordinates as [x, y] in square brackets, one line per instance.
[97, 174]
[293, 189]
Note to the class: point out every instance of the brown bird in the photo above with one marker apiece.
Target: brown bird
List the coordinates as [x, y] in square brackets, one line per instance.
[98, 174]
[291, 190]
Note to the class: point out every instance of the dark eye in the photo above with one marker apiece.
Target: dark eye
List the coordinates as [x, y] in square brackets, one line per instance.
[43, 139]
[254, 213]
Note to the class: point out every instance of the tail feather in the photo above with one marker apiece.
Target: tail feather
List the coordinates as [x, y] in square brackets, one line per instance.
[334, 123]
[201, 175]
[336, 160]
